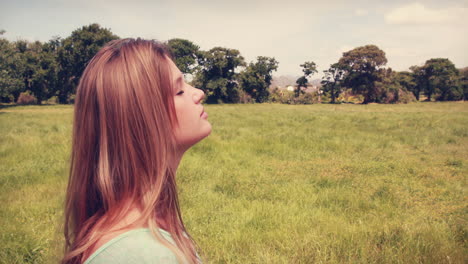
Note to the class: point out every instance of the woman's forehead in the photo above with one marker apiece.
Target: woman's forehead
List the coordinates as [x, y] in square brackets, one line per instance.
[175, 72]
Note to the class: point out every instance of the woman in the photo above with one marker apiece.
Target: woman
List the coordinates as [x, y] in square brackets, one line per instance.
[134, 119]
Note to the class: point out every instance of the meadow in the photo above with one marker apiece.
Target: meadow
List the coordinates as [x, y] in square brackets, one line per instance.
[273, 183]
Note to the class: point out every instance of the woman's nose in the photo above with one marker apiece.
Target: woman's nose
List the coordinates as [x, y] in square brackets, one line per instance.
[199, 95]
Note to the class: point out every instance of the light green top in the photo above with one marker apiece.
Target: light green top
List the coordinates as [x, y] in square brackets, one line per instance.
[134, 246]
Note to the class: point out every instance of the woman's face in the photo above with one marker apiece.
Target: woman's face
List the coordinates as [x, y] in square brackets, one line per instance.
[193, 123]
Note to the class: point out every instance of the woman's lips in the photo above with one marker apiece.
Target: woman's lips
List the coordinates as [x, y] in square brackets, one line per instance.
[204, 115]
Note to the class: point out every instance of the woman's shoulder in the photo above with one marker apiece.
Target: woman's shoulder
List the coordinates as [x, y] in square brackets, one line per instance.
[134, 246]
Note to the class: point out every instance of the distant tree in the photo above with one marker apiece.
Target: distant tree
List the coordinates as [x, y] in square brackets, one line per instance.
[331, 81]
[420, 79]
[442, 79]
[11, 72]
[217, 76]
[391, 89]
[256, 78]
[407, 81]
[40, 68]
[464, 82]
[185, 53]
[362, 65]
[308, 68]
[75, 52]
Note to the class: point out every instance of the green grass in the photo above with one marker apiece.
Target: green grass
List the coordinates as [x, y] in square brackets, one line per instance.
[273, 183]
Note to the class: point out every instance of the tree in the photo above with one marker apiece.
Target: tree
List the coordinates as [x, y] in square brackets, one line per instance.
[256, 78]
[11, 72]
[464, 82]
[362, 66]
[390, 87]
[407, 81]
[332, 79]
[442, 80]
[217, 76]
[420, 80]
[308, 68]
[40, 68]
[185, 54]
[75, 52]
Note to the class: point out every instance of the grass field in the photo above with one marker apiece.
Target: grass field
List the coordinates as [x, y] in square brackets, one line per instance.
[273, 183]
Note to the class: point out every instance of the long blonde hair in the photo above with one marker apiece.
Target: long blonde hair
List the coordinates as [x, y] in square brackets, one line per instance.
[123, 143]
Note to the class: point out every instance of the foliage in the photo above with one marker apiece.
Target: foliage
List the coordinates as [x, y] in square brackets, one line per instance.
[442, 80]
[464, 82]
[245, 98]
[397, 95]
[75, 52]
[438, 79]
[255, 80]
[289, 97]
[363, 66]
[332, 81]
[389, 88]
[41, 68]
[347, 96]
[53, 68]
[421, 82]
[217, 76]
[301, 83]
[185, 53]
[407, 81]
[11, 71]
[308, 68]
[26, 98]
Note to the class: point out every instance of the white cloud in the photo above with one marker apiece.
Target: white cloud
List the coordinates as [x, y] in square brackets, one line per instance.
[416, 13]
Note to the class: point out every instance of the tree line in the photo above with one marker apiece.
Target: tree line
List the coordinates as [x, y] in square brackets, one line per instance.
[44, 70]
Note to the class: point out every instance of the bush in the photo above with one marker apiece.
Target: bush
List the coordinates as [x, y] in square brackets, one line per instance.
[289, 97]
[71, 99]
[7, 99]
[52, 100]
[305, 98]
[397, 96]
[275, 95]
[406, 97]
[26, 99]
[245, 98]
[349, 97]
[453, 93]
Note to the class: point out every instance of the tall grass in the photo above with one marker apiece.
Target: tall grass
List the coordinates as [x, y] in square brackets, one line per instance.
[273, 183]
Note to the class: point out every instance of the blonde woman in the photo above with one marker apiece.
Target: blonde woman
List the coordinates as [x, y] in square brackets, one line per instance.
[134, 119]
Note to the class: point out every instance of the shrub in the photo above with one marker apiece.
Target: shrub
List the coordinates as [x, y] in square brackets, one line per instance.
[26, 98]
[453, 93]
[306, 98]
[406, 97]
[52, 100]
[245, 98]
[349, 97]
[281, 96]
[275, 95]
[289, 97]
[71, 99]
[395, 96]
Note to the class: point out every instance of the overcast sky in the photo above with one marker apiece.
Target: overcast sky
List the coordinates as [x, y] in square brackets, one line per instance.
[292, 31]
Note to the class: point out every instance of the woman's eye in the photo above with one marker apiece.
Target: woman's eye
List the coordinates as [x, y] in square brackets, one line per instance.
[180, 92]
